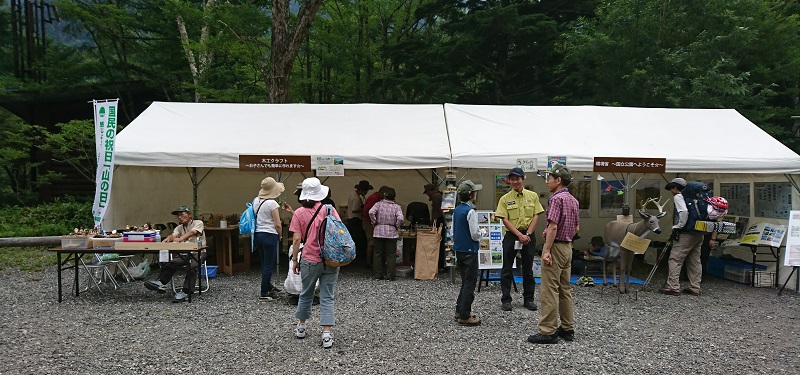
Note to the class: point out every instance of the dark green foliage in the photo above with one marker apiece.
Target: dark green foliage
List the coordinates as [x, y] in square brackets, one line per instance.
[53, 219]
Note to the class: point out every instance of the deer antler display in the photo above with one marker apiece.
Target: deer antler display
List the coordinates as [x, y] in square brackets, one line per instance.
[658, 204]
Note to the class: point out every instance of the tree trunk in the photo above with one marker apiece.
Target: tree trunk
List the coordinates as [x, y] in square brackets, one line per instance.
[285, 45]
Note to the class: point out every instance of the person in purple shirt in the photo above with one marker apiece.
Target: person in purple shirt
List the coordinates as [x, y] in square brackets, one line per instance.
[386, 217]
[555, 293]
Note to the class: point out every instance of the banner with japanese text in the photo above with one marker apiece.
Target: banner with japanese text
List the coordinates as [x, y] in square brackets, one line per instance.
[105, 130]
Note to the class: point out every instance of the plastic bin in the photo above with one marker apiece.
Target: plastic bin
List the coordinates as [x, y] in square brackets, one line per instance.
[765, 279]
[741, 272]
[402, 271]
[106, 243]
[212, 271]
[75, 242]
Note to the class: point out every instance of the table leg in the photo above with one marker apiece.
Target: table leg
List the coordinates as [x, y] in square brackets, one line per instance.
[753, 273]
[58, 255]
[77, 287]
[777, 266]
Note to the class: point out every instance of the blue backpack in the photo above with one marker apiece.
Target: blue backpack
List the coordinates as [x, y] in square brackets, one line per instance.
[337, 247]
[247, 223]
[695, 194]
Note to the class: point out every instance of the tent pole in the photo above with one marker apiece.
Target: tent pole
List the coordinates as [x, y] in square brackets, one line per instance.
[194, 190]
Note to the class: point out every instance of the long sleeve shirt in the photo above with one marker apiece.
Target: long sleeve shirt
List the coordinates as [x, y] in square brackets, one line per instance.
[681, 212]
[387, 217]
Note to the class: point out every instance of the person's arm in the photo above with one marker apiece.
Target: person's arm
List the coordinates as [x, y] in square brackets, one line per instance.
[296, 239]
[549, 238]
[276, 218]
[373, 215]
[288, 208]
[683, 212]
[399, 216]
[474, 229]
[712, 243]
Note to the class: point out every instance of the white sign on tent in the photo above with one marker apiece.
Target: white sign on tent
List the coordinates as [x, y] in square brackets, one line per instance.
[792, 257]
[330, 166]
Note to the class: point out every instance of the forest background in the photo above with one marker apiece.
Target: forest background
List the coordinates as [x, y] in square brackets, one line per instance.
[741, 54]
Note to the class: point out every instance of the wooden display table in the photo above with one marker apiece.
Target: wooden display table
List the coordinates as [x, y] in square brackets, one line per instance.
[222, 240]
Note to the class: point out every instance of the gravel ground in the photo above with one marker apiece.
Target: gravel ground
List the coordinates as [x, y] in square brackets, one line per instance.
[398, 327]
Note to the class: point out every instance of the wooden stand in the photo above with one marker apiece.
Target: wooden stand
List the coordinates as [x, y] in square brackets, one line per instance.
[222, 240]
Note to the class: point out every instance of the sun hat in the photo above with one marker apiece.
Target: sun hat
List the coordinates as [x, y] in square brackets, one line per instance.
[467, 186]
[428, 187]
[270, 188]
[313, 190]
[363, 185]
[675, 183]
[516, 171]
[560, 170]
[597, 240]
[181, 208]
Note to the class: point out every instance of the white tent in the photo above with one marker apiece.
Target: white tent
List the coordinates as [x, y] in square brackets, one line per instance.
[692, 140]
[366, 136]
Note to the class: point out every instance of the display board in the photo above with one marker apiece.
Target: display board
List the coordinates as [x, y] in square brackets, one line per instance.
[582, 191]
[764, 234]
[773, 199]
[611, 197]
[501, 186]
[792, 258]
[738, 196]
[490, 250]
[649, 189]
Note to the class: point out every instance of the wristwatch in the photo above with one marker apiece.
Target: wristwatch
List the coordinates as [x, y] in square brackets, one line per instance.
[528, 234]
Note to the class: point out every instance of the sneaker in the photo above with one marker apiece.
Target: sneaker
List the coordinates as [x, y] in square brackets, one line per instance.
[589, 281]
[543, 339]
[156, 285]
[457, 316]
[327, 340]
[669, 291]
[530, 306]
[581, 281]
[179, 297]
[271, 296]
[566, 335]
[300, 331]
[506, 306]
[472, 321]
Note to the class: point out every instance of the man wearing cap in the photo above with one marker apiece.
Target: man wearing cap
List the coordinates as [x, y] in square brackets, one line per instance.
[437, 216]
[687, 246]
[519, 209]
[355, 211]
[188, 230]
[556, 293]
[369, 229]
[466, 237]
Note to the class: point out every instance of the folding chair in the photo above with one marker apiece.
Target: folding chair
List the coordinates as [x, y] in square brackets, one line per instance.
[199, 286]
[97, 273]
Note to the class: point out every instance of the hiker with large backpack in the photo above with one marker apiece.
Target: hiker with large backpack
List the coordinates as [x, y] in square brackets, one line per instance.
[687, 240]
[267, 233]
[306, 224]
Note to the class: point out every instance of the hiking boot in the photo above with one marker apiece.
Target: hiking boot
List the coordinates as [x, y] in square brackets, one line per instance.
[669, 291]
[506, 306]
[327, 339]
[300, 331]
[692, 292]
[472, 321]
[530, 306]
[566, 335]
[581, 281]
[156, 285]
[542, 339]
[179, 297]
[589, 281]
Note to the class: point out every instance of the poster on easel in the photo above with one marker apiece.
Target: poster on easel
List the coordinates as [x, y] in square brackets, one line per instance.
[792, 258]
[490, 248]
[764, 234]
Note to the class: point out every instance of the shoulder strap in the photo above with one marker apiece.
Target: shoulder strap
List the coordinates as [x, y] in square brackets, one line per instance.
[255, 217]
[310, 222]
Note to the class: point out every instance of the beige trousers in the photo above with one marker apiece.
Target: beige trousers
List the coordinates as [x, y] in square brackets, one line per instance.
[687, 249]
[556, 291]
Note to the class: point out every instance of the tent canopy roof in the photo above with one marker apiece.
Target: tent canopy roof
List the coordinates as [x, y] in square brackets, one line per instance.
[691, 140]
[366, 136]
[398, 136]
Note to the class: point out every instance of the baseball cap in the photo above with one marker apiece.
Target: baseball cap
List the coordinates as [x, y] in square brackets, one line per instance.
[467, 186]
[675, 183]
[560, 170]
[181, 208]
[516, 171]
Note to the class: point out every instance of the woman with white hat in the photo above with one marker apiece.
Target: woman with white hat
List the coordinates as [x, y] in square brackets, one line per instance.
[305, 225]
[268, 233]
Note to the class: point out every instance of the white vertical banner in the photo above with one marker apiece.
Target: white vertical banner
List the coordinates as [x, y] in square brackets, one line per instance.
[105, 129]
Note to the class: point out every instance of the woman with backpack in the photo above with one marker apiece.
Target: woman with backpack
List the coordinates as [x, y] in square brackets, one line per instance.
[305, 225]
[267, 233]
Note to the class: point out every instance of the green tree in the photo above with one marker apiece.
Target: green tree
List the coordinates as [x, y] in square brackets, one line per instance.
[20, 179]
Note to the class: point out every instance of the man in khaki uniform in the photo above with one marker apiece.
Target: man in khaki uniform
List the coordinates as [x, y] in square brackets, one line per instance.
[519, 209]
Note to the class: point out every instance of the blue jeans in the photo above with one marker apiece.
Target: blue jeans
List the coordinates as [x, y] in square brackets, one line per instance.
[267, 245]
[327, 275]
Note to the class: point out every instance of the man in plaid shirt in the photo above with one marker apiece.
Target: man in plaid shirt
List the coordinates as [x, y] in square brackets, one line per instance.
[555, 294]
